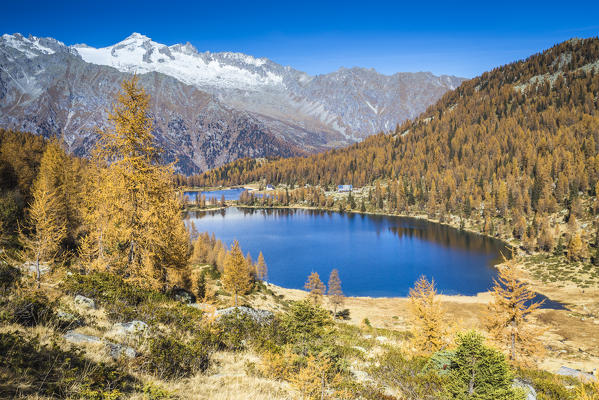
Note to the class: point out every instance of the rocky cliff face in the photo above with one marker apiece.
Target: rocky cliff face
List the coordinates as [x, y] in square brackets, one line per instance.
[208, 108]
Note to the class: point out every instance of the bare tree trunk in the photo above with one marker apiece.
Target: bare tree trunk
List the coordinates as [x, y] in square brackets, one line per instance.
[471, 383]
[37, 267]
[513, 344]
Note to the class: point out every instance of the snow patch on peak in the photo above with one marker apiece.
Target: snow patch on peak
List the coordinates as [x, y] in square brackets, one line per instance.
[140, 54]
[136, 35]
[31, 46]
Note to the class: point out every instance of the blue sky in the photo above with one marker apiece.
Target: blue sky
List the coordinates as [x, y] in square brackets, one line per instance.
[459, 38]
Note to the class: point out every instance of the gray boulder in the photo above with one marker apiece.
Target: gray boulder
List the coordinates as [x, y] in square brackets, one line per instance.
[583, 376]
[79, 338]
[118, 350]
[260, 316]
[66, 319]
[85, 301]
[115, 350]
[529, 391]
[128, 329]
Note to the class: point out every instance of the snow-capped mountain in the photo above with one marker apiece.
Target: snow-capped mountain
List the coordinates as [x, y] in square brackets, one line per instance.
[50, 88]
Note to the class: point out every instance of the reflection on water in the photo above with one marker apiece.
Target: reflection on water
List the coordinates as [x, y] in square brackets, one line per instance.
[375, 255]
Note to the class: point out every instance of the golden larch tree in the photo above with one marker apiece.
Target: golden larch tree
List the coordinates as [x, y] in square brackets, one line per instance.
[428, 325]
[507, 317]
[47, 228]
[315, 287]
[236, 275]
[143, 231]
[335, 294]
[261, 268]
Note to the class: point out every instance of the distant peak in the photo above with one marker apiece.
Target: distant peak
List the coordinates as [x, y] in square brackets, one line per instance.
[136, 35]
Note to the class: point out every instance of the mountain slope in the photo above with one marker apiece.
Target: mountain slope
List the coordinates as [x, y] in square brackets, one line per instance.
[521, 139]
[47, 89]
[209, 108]
[345, 105]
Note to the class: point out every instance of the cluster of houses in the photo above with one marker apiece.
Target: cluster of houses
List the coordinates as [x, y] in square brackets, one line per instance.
[340, 188]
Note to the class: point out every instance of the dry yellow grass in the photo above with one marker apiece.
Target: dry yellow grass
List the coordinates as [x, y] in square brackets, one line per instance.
[228, 379]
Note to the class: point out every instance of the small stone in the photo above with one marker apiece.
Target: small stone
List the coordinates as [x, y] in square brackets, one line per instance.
[583, 376]
[359, 348]
[67, 319]
[530, 392]
[118, 350]
[132, 328]
[260, 316]
[85, 301]
[75, 337]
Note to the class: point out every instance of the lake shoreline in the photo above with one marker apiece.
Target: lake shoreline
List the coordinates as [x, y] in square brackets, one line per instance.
[572, 297]
[569, 298]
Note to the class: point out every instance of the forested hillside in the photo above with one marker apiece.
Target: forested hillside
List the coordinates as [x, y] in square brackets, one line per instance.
[518, 142]
[530, 124]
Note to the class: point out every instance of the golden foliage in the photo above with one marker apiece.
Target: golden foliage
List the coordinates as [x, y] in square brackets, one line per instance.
[261, 268]
[237, 277]
[335, 294]
[132, 212]
[315, 287]
[508, 315]
[429, 332]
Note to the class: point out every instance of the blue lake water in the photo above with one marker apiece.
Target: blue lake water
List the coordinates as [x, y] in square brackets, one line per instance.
[230, 194]
[376, 256]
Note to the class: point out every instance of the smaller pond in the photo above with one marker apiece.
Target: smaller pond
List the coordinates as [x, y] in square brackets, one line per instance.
[230, 194]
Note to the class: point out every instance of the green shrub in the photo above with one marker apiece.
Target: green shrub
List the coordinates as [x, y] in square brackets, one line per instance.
[9, 277]
[169, 358]
[27, 367]
[236, 329]
[549, 386]
[480, 372]
[343, 314]
[308, 326]
[31, 310]
[153, 392]
[309, 330]
[409, 375]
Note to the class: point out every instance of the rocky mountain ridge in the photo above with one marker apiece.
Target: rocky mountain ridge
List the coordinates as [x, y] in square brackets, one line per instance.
[209, 108]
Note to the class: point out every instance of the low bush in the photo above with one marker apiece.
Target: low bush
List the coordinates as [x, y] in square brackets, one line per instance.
[29, 367]
[549, 386]
[125, 302]
[9, 277]
[408, 375]
[31, 310]
[169, 358]
[236, 330]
